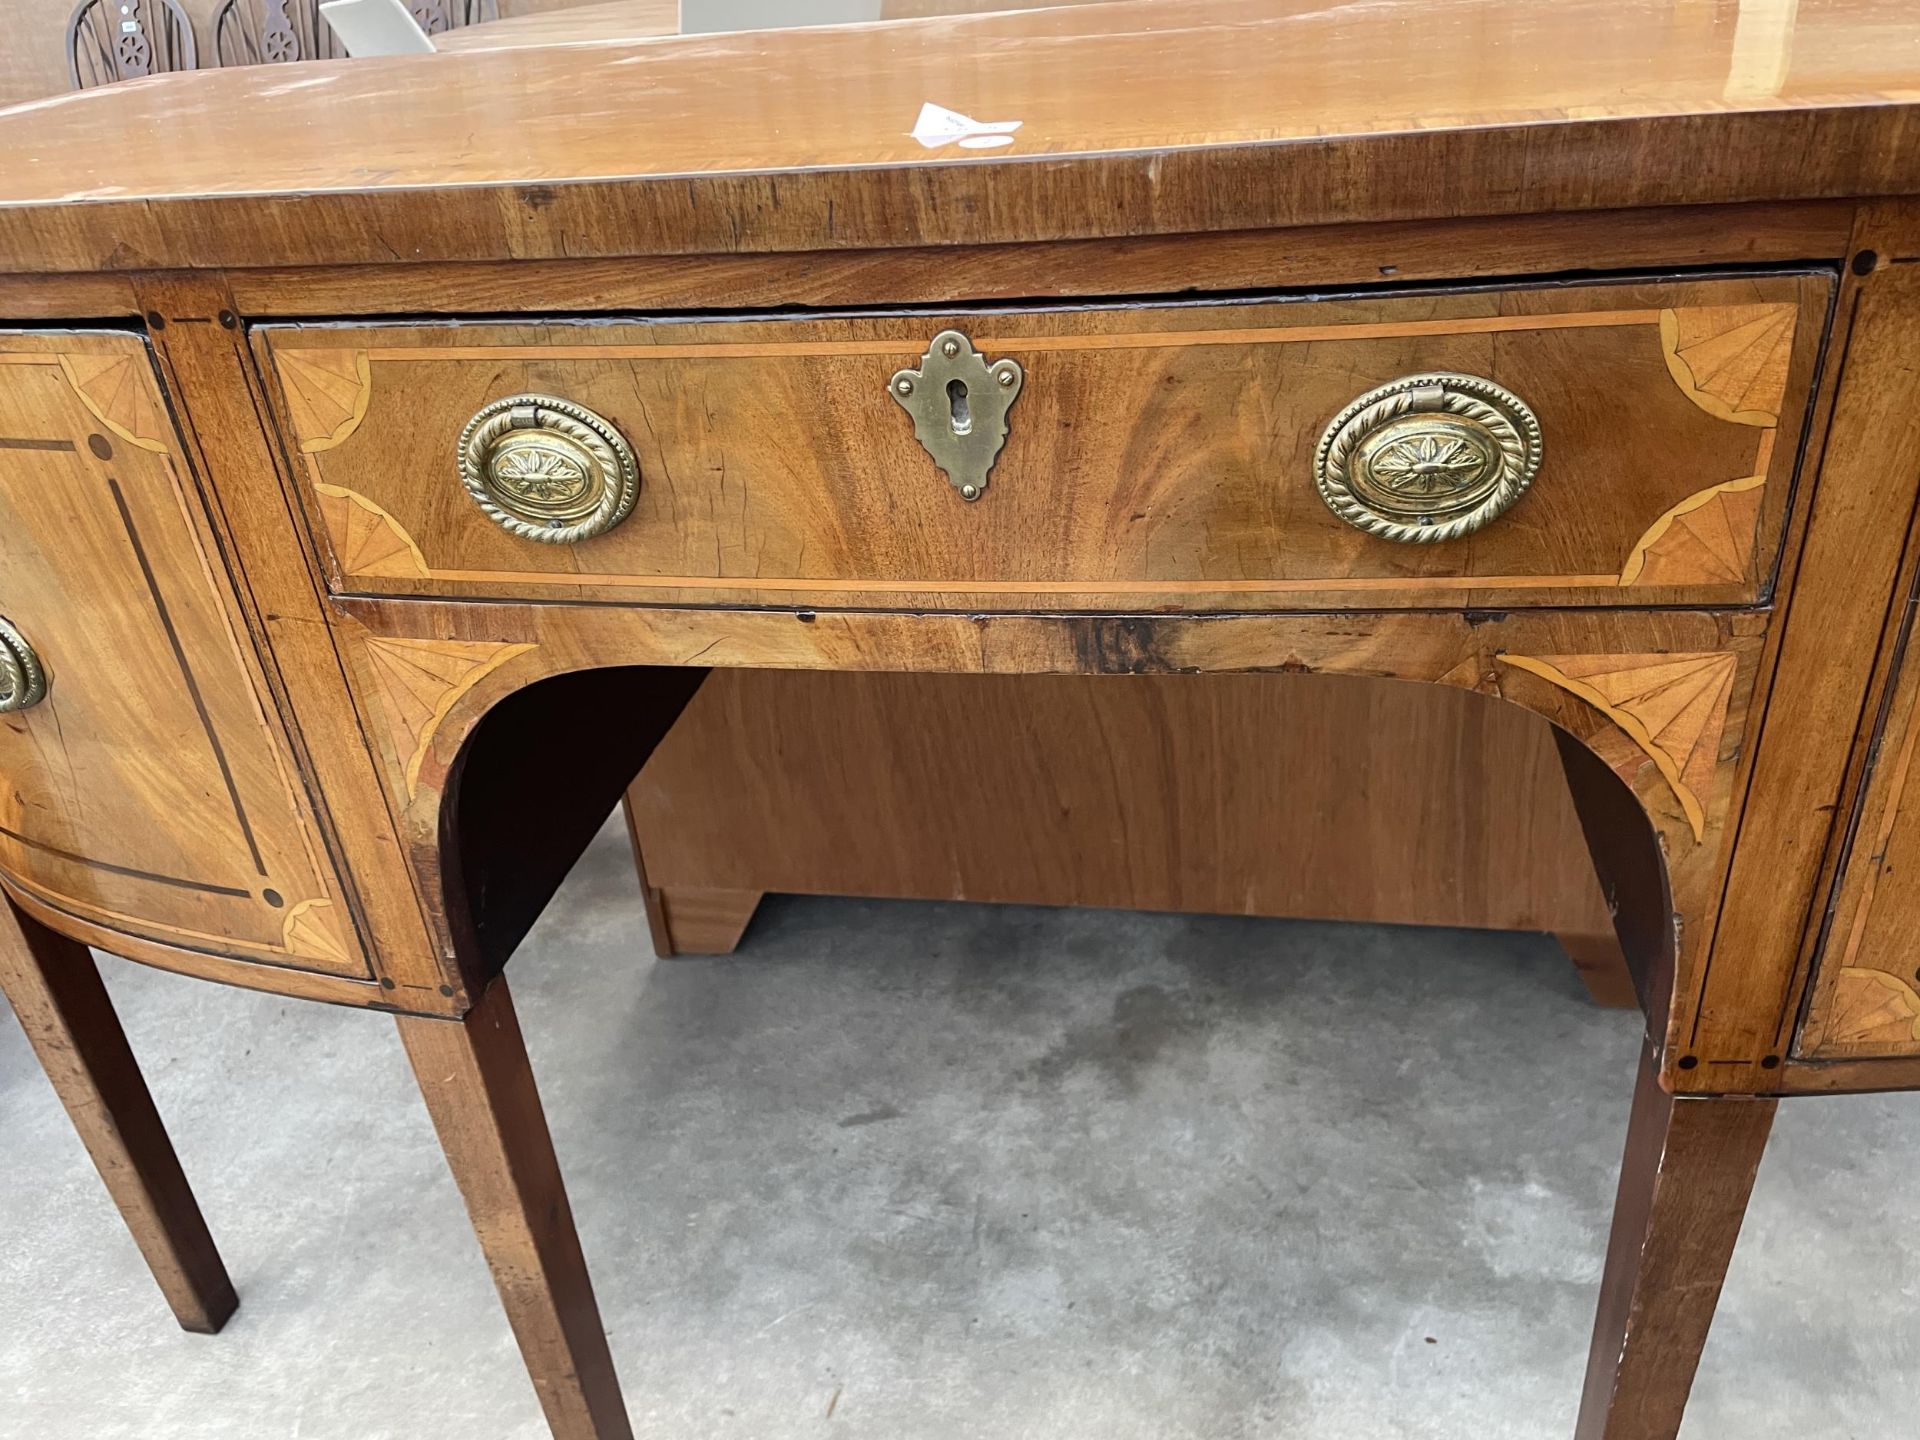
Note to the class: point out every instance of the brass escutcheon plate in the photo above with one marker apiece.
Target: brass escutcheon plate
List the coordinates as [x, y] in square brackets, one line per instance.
[959, 406]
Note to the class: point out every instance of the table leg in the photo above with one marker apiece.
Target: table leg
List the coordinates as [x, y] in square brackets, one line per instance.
[1689, 1169]
[56, 991]
[479, 1089]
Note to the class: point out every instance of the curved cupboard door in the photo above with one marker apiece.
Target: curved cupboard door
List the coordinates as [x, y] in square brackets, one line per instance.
[150, 790]
[1865, 1000]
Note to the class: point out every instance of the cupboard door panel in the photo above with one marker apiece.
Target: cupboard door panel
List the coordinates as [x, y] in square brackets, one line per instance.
[151, 790]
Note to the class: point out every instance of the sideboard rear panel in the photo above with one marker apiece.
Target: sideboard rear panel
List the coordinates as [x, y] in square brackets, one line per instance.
[150, 792]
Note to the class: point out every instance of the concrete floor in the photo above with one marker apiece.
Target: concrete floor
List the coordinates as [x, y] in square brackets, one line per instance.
[904, 1171]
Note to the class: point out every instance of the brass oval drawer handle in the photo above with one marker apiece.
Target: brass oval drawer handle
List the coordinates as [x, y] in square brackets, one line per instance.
[23, 679]
[1427, 458]
[546, 469]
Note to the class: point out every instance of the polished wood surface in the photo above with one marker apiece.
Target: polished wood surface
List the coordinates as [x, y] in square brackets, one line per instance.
[1720, 655]
[1864, 1001]
[577, 150]
[1689, 1169]
[1659, 696]
[55, 989]
[574, 25]
[1418, 806]
[775, 465]
[1695, 237]
[1828, 663]
[480, 1091]
[148, 792]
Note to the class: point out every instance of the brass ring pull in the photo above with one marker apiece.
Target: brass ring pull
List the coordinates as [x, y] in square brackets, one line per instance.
[23, 679]
[546, 469]
[1427, 458]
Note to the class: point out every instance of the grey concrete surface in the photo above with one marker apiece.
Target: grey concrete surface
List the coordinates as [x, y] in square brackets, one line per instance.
[903, 1171]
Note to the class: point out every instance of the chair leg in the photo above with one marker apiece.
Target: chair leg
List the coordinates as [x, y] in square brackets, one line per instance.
[56, 991]
[1684, 1184]
[480, 1091]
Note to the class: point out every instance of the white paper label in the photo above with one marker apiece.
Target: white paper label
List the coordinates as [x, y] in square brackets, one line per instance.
[939, 126]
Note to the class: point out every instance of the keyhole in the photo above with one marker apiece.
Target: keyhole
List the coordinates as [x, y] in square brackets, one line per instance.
[957, 407]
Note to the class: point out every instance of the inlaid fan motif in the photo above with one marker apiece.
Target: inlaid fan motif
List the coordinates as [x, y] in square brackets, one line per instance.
[367, 540]
[1871, 1007]
[1673, 706]
[1731, 359]
[309, 931]
[327, 393]
[418, 681]
[122, 394]
[1707, 538]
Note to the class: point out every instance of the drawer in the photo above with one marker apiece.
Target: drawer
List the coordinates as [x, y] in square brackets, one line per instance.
[1337, 452]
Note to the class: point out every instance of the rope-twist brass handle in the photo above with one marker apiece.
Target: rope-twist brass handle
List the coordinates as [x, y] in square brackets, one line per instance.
[23, 679]
[546, 469]
[1427, 458]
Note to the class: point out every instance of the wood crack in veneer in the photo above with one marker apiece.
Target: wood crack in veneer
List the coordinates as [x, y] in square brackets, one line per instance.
[1416, 344]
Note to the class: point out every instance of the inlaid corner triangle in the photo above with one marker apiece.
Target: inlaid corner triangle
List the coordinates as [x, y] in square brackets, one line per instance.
[366, 539]
[1707, 538]
[1871, 1007]
[327, 393]
[309, 932]
[1731, 360]
[416, 682]
[1674, 707]
[120, 391]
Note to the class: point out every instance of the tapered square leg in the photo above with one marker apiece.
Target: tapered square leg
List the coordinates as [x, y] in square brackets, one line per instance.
[56, 991]
[479, 1089]
[1684, 1184]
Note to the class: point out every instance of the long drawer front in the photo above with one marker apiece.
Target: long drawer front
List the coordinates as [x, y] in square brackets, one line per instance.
[1568, 444]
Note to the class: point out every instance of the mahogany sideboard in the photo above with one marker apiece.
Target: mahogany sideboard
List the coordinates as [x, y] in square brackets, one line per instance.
[377, 493]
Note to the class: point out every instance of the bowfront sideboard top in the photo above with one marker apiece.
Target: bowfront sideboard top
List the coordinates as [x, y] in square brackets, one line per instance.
[1138, 118]
[390, 448]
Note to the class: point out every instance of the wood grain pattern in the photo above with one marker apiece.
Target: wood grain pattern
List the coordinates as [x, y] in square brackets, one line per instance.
[1684, 1184]
[326, 394]
[55, 989]
[366, 538]
[1153, 792]
[574, 25]
[1708, 536]
[177, 815]
[1731, 360]
[282, 611]
[640, 148]
[1463, 652]
[1862, 1001]
[119, 390]
[1738, 998]
[1672, 706]
[479, 1089]
[1163, 453]
[415, 683]
[1317, 256]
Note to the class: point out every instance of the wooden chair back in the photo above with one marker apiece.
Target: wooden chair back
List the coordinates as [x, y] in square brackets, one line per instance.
[110, 40]
[273, 32]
